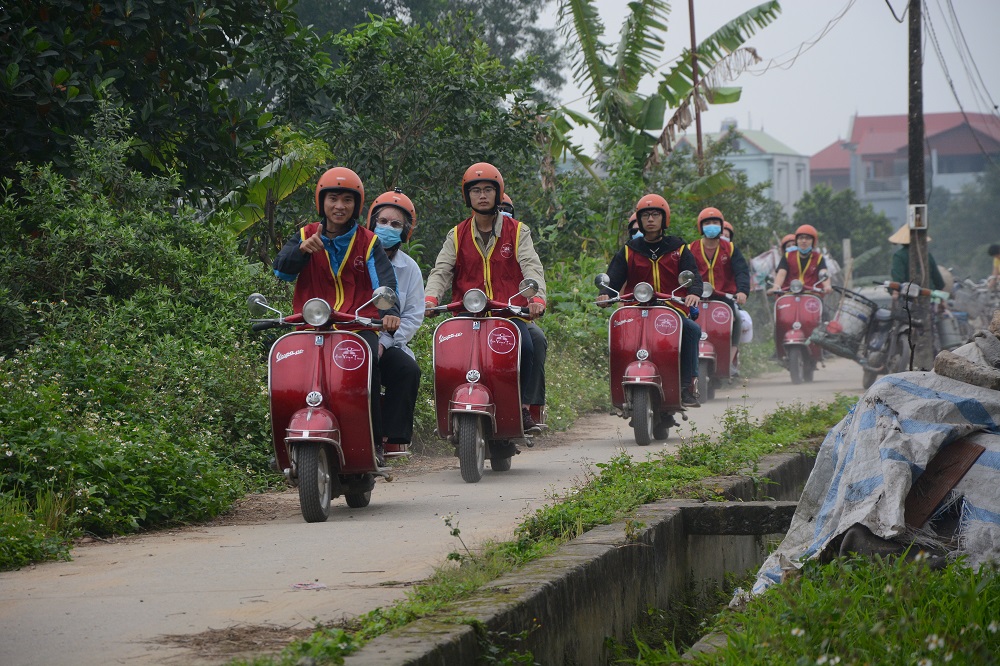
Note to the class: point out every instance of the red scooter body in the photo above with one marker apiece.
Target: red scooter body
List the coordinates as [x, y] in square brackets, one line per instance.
[489, 350]
[796, 315]
[644, 344]
[477, 388]
[319, 388]
[657, 331]
[337, 364]
[717, 349]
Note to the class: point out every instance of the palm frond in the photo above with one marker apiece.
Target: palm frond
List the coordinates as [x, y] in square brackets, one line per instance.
[641, 42]
[580, 21]
[726, 40]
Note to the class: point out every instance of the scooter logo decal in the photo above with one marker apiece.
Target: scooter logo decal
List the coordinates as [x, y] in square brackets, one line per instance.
[622, 322]
[666, 324]
[349, 355]
[720, 315]
[812, 305]
[281, 357]
[442, 338]
[501, 340]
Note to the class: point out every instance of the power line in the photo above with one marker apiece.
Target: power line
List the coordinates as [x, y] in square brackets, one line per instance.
[961, 34]
[902, 17]
[803, 47]
[951, 84]
[965, 58]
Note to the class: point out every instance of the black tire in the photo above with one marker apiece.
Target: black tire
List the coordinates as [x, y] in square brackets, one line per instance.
[808, 367]
[868, 378]
[661, 431]
[362, 499]
[901, 361]
[642, 415]
[315, 484]
[471, 447]
[704, 380]
[796, 363]
[500, 464]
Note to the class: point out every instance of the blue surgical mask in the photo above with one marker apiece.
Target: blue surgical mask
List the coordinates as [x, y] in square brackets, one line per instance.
[711, 230]
[390, 237]
[637, 234]
[805, 251]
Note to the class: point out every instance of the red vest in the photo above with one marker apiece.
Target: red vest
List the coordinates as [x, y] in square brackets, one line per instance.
[662, 273]
[497, 273]
[345, 287]
[717, 270]
[803, 268]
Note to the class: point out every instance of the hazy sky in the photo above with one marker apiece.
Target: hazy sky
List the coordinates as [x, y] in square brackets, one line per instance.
[859, 66]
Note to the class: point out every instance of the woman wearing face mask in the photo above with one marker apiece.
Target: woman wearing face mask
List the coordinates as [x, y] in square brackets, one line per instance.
[722, 265]
[393, 218]
[803, 262]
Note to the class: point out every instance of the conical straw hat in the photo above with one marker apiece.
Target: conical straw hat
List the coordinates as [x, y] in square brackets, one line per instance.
[902, 236]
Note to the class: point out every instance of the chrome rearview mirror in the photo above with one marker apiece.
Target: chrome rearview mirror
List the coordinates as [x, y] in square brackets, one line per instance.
[602, 281]
[685, 278]
[384, 298]
[528, 287]
[257, 304]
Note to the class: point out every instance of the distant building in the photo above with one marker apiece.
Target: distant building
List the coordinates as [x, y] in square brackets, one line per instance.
[764, 159]
[874, 160]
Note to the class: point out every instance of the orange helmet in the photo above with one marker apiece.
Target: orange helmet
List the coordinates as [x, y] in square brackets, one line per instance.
[506, 204]
[732, 230]
[399, 200]
[807, 230]
[478, 173]
[788, 238]
[709, 214]
[656, 202]
[340, 179]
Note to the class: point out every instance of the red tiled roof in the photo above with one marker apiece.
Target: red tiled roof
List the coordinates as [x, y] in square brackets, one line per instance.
[832, 158]
[888, 135]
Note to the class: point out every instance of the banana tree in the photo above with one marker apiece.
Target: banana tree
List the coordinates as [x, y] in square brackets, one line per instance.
[610, 76]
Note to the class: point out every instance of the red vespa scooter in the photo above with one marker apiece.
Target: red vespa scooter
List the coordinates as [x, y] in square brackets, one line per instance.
[477, 389]
[319, 384]
[796, 314]
[718, 353]
[644, 340]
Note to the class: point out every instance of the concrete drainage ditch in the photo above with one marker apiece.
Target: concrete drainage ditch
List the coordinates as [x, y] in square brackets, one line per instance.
[600, 584]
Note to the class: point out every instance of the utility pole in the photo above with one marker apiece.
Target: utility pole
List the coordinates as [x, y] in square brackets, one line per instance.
[694, 80]
[922, 336]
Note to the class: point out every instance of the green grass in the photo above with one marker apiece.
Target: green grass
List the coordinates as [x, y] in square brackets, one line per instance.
[861, 611]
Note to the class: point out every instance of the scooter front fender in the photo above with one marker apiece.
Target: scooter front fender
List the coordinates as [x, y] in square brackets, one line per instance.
[643, 373]
[315, 424]
[706, 350]
[794, 337]
[472, 398]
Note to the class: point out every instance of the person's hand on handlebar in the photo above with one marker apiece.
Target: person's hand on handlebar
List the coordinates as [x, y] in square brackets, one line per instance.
[692, 300]
[390, 323]
[602, 301]
[741, 298]
[536, 309]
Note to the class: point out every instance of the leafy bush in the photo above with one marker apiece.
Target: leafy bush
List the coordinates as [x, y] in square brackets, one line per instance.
[135, 393]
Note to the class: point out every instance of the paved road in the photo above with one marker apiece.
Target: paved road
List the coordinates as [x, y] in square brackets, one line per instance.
[111, 603]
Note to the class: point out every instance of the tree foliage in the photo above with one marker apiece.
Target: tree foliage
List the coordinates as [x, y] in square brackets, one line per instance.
[963, 225]
[508, 27]
[177, 64]
[841, 215]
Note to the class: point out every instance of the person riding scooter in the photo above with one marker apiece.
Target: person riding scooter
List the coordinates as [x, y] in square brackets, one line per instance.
[341, 262]
[803, 263]
[393, 218]
[493, 252]
[658, 260]
[722, 265]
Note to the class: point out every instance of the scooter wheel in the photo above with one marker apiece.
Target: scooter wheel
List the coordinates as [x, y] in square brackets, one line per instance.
[315, 484]
[642, 415]
[471, 447]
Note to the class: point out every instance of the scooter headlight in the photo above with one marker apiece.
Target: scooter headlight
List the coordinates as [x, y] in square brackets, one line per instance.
[795, 287]
[474, 301]
[643, 292]
[316, 311]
